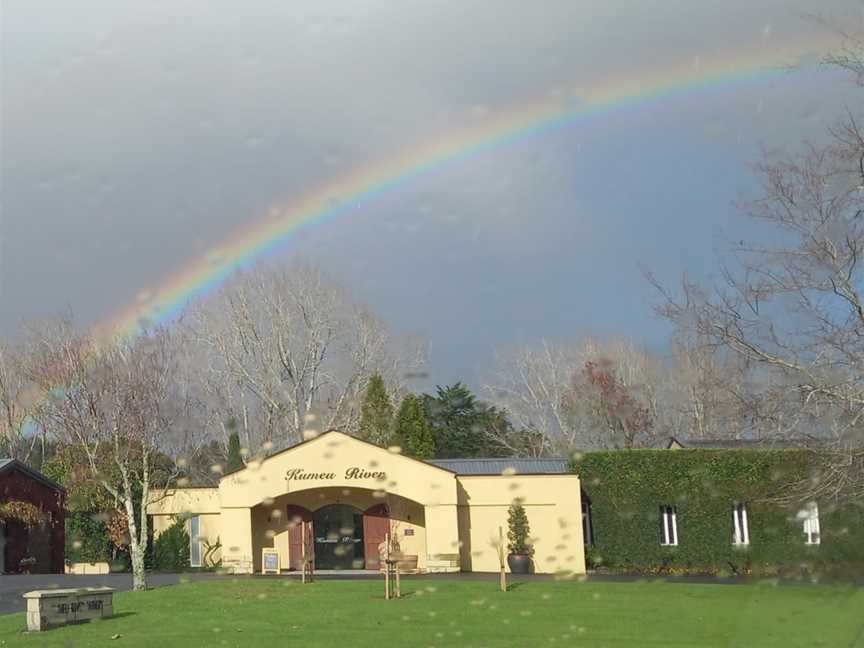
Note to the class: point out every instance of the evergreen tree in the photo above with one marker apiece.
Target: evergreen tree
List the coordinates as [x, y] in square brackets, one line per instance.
[412, 430]
[518, 531]
[461, 423]
[376, 412]
[235, 459]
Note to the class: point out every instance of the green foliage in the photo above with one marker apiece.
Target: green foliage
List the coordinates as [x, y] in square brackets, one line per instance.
[69, 467]
[235, 459]
[412, 430]
[462, 423]
[86, 538]
[627, 488]
[376, 412]
[171, 547]
[518, 531]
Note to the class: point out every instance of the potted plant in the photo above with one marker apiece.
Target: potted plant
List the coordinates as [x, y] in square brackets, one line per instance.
[518, 542]
[27, 563]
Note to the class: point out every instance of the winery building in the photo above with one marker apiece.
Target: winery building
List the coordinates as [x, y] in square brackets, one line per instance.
[446, 514]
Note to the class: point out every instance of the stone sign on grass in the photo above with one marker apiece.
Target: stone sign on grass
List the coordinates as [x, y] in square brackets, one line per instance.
[56, 607]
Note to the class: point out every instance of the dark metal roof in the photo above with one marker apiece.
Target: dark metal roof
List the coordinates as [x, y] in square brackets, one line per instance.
[10, 464]
[520, 465]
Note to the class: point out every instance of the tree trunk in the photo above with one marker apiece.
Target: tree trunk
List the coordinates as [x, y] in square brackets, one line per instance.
[136, 548]
[139, 576]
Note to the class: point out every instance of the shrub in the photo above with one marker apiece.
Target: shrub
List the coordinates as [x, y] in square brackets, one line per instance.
[518, 530]
[171, 547]
[627, 488]
[86, 538]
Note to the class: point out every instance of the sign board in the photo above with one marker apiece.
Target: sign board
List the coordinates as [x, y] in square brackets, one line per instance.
[52, 608]
[409, 532]
[269, 561]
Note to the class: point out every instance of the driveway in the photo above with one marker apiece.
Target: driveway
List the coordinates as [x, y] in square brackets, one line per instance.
[12, 587]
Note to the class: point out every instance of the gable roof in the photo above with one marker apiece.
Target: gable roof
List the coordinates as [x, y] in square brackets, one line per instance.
[497, 466]
[340, 433]
[7, 465]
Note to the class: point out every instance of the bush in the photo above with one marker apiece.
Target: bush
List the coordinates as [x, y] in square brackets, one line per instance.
[171, 548]
[627, 488]
[518, 531]
[86, 538]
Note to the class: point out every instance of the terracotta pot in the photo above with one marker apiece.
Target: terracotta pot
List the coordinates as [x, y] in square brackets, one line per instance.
[519, 563]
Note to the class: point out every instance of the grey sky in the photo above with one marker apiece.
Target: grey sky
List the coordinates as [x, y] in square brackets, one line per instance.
[136, 135]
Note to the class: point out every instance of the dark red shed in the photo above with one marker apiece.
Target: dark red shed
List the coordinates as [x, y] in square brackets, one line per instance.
[32, 521]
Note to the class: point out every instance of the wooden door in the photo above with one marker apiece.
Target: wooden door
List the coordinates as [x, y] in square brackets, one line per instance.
[376, 526]
[296, 515]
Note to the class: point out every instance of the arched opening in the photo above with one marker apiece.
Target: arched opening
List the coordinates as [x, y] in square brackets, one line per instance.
[338, 531]
[368, 517]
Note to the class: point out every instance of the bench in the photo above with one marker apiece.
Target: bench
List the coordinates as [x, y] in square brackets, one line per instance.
[56, 607]
[87, 569]
[407, 563]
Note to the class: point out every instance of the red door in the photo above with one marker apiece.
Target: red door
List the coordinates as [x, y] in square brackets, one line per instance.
[376, 526]
[296, 515]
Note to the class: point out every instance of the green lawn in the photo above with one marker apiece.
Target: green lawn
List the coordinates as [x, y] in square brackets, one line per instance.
[354, 614]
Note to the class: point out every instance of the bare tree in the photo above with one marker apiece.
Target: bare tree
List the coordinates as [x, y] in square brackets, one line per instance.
[794, 311]
[548, 388]
[120, 405]
[18, 400]
[286, 349]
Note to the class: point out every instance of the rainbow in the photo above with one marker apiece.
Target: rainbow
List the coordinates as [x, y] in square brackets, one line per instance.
[339, 196]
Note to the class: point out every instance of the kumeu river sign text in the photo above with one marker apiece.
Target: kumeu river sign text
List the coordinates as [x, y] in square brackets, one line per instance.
[350, 473]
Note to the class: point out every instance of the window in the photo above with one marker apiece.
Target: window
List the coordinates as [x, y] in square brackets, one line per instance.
[587, 527]
[668, 526]
[810, 515]
[740, 530]
[194, 541]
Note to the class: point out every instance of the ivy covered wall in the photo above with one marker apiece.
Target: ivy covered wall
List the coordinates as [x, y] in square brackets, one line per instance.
[627, 488]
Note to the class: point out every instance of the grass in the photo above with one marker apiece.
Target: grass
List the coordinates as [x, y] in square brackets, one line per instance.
[281, 612]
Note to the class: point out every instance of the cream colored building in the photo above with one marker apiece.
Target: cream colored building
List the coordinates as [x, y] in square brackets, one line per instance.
[447, 513]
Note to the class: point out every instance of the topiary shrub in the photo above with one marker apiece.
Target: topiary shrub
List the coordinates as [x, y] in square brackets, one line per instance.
[171, 548]
[518, 531]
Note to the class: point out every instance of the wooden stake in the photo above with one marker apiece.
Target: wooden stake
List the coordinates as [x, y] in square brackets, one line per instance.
[387, 566]
[501, 559]
[307, 555]
[398, 588]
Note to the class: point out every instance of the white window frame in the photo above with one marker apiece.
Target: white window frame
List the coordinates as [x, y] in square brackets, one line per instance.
[668, 526]
[810, 517]
[740, 527]
[195, 540]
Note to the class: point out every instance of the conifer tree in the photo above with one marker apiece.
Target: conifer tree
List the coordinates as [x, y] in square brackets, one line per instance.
[376, 412]
[235, 459]
[413, 431]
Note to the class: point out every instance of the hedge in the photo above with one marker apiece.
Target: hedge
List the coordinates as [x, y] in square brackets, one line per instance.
[86, 538]
[627, 488]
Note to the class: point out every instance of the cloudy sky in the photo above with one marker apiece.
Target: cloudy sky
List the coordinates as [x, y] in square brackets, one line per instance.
[137, 135]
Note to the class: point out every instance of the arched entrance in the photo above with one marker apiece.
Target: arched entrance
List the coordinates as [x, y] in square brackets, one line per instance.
[338, 530]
